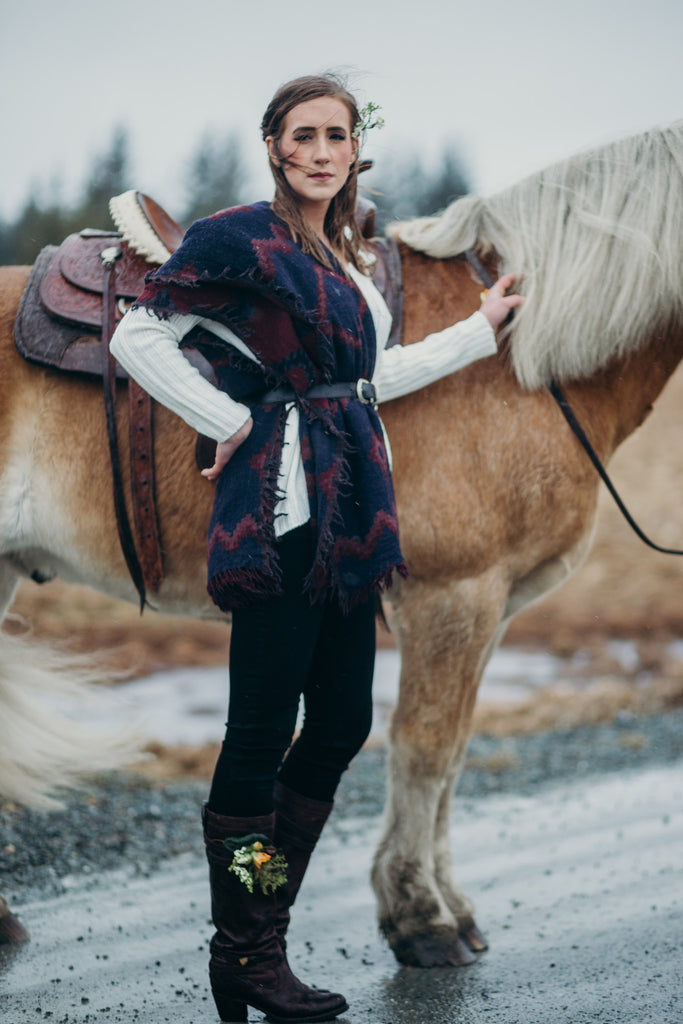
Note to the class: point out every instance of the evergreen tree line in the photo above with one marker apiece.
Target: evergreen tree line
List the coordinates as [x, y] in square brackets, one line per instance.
[217, 176]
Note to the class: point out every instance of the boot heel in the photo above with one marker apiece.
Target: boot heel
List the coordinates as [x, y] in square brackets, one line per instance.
[230, 1010]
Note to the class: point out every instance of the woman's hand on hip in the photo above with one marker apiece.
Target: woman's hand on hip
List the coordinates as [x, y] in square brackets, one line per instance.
[226, 449]
[496, 305]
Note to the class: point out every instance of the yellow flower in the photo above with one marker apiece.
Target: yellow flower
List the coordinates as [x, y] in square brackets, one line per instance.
[261, 858]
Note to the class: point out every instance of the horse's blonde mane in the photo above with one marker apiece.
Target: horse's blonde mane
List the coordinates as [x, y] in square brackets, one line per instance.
[599, 239]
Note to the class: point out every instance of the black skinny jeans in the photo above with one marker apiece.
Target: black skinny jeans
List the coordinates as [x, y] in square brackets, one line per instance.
[280, 649]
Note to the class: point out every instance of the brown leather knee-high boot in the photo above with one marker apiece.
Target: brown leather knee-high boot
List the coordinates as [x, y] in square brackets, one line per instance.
[248, 966]
[299, 820]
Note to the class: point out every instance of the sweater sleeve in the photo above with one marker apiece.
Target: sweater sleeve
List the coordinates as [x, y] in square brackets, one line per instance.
[147, 348]
[405, 368]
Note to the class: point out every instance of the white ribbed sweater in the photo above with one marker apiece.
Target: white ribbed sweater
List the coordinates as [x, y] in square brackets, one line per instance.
[147, 348]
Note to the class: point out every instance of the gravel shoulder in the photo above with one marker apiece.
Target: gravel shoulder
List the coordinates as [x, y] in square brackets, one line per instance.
[127, 821]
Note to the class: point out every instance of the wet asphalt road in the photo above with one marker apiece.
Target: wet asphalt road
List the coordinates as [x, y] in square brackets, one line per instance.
[578, 886]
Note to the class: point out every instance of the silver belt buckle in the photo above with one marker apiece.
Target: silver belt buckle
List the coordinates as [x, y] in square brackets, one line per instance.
[359, 391]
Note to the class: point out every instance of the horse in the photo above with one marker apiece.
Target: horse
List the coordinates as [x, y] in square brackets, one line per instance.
[496, 498]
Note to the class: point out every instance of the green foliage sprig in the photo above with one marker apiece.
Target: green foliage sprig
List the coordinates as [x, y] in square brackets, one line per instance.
[368, 118]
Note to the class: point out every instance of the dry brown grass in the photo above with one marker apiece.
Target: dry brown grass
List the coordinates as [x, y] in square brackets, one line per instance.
[568, 706]
[87, 621]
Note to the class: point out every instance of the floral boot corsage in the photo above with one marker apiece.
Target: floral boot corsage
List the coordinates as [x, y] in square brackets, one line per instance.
[257, 862]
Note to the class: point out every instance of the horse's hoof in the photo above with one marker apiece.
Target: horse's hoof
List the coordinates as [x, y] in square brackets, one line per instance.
[472, 937]
[12, 931]
[442, 947]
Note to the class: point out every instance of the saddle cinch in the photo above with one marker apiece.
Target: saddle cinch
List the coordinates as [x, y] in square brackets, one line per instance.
[76, 295]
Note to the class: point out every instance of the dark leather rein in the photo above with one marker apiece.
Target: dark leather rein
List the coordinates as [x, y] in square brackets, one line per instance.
[568, 413]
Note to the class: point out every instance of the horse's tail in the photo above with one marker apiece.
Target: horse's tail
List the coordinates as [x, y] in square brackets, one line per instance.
[43, 751]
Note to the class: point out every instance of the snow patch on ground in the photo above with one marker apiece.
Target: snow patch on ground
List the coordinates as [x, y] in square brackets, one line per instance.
[188, 705]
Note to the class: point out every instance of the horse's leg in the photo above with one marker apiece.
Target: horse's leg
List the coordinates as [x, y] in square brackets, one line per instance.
[11, 928]
[445, 633]
[459, 904]
[447, 636]
[12, 931]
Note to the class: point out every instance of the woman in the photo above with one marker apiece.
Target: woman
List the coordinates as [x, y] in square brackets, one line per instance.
[304, 531]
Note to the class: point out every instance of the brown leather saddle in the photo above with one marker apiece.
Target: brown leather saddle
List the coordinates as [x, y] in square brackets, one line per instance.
[74, 298]
[60, 317]
[76, 295]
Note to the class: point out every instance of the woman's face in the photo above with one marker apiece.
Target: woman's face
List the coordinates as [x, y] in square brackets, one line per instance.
[316, 149]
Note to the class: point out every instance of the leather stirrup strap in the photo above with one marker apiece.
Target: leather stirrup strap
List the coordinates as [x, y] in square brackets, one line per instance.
[388, 278]
[142, 484]
[109, 257]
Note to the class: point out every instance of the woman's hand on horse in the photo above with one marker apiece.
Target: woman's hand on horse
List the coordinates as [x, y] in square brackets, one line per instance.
[496, 305]
[226, 449]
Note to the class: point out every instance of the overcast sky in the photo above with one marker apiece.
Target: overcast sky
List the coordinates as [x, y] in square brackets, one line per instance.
[513, 85]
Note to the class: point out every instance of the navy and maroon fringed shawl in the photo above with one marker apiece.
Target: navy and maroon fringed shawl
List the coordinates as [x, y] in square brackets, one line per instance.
[307, 325]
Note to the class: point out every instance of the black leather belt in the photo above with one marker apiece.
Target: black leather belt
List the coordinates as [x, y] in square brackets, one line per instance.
[362, 389]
